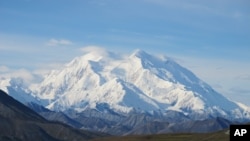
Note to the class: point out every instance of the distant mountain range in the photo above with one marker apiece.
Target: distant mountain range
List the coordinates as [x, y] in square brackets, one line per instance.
[128, 94]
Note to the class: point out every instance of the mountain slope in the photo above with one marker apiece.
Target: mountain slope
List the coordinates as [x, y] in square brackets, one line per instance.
[18, 122]
[53, 116]
[139, 83]
[129, 94]
[10, 108]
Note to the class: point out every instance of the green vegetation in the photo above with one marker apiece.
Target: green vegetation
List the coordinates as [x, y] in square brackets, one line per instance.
[217, 136]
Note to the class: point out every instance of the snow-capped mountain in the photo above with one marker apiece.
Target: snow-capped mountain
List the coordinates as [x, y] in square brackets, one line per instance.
[15, 88]
[140, 83]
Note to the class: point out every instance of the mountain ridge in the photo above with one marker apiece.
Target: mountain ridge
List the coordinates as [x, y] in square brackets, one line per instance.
[104, 89]
[156, 82]
[20, 123]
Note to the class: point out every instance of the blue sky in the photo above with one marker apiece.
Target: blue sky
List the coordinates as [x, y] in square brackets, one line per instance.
[211, 38]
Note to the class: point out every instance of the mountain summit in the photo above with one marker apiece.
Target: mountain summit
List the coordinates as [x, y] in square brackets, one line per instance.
[136, 83]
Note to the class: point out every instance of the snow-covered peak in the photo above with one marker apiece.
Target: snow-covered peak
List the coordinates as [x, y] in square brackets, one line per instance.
[140, 54]
[139, 82]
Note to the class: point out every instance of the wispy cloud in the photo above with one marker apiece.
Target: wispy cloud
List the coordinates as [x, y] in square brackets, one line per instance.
[100, 51]
[3, 69]
[17, 43]
[24, 74]
[91, 48]
[58, 42]
[28, 76]
[244, 77]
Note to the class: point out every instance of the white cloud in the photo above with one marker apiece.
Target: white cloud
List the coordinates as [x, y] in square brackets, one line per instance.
[91, 48]
[24, 74]
[46, 68]
[94, 49]
[55, 42]
[3, 69]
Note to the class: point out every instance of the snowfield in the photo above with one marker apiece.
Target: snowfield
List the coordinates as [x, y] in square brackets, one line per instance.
[138, 82]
